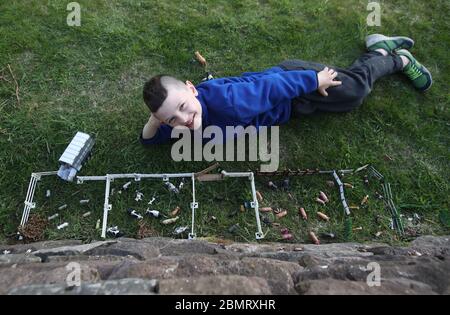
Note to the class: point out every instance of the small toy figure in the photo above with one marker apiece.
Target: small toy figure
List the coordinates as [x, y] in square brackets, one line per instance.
[302, 212]
[139, 196]
[133, 213]
[172, 188]
[114, 231]
[180, 230]
[271, 185]
[153, 213]
[170, 221]
[53, 216]
[62, 226]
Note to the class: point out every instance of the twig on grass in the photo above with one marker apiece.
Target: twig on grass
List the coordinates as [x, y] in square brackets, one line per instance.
[17, 84]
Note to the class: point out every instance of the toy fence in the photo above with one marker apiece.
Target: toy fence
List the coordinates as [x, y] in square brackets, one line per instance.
[35, 177]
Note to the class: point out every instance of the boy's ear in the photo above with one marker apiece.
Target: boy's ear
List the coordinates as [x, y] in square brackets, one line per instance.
[192, 87]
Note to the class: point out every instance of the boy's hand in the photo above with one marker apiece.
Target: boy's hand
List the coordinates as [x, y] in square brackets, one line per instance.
[151, 127]
[154, 121]
[325, 79]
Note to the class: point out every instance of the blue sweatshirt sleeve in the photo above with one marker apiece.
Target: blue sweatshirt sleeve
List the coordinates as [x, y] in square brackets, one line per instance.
[162, 136]
[247, 76]
[265, 72]
[249, 99]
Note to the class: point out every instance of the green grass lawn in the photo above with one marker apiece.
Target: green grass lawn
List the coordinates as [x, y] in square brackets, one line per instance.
[90, 78]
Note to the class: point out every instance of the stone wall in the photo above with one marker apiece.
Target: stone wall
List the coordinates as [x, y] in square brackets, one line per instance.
[167, 266]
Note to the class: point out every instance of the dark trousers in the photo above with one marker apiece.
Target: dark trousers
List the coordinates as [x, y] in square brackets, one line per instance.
[357, 82]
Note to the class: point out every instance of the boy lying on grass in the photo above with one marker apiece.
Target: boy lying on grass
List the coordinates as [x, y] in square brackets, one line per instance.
[271, 97]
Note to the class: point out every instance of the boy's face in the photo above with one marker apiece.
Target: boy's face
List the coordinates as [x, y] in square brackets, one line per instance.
[181, 107]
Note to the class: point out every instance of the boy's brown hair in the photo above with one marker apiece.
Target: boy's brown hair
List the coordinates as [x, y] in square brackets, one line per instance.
[155, 90]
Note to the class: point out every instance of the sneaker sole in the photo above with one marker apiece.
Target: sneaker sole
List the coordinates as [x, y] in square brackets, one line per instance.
[375, 38]
[431, 78]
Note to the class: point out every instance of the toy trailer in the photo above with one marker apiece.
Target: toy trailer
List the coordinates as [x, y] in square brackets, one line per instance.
[75, 155]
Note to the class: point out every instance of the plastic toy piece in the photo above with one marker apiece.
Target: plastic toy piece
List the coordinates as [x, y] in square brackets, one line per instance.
[152, 200]
[170, 221]
[281, 214]
[75, 155]
[303, 214]
[153, 213]
[323, 196]
[341, 193]
[389, 203]
[366, 180]
[376, 174]
[272, 186]
[139, 196]
[62, 226]
[114, 231]
[299, 172]
[323, 216]
[247, 205]
[134, 214]
[320, 201]
[172, 187]
[361, 168]
[175, 211]
[364, 200]
[259, 196]
[180, 230]
[208, 76]
[200, 58]
[328, 235]
[314, 238]
[53, 216]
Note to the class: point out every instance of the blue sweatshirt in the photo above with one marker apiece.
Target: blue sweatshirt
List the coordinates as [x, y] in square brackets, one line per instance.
[255, 98]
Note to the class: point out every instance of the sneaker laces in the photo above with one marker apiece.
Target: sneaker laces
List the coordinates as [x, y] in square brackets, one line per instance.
[413, 72]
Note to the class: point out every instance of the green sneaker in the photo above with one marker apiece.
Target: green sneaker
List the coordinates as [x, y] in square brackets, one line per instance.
[377, 41]
[416, 72]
